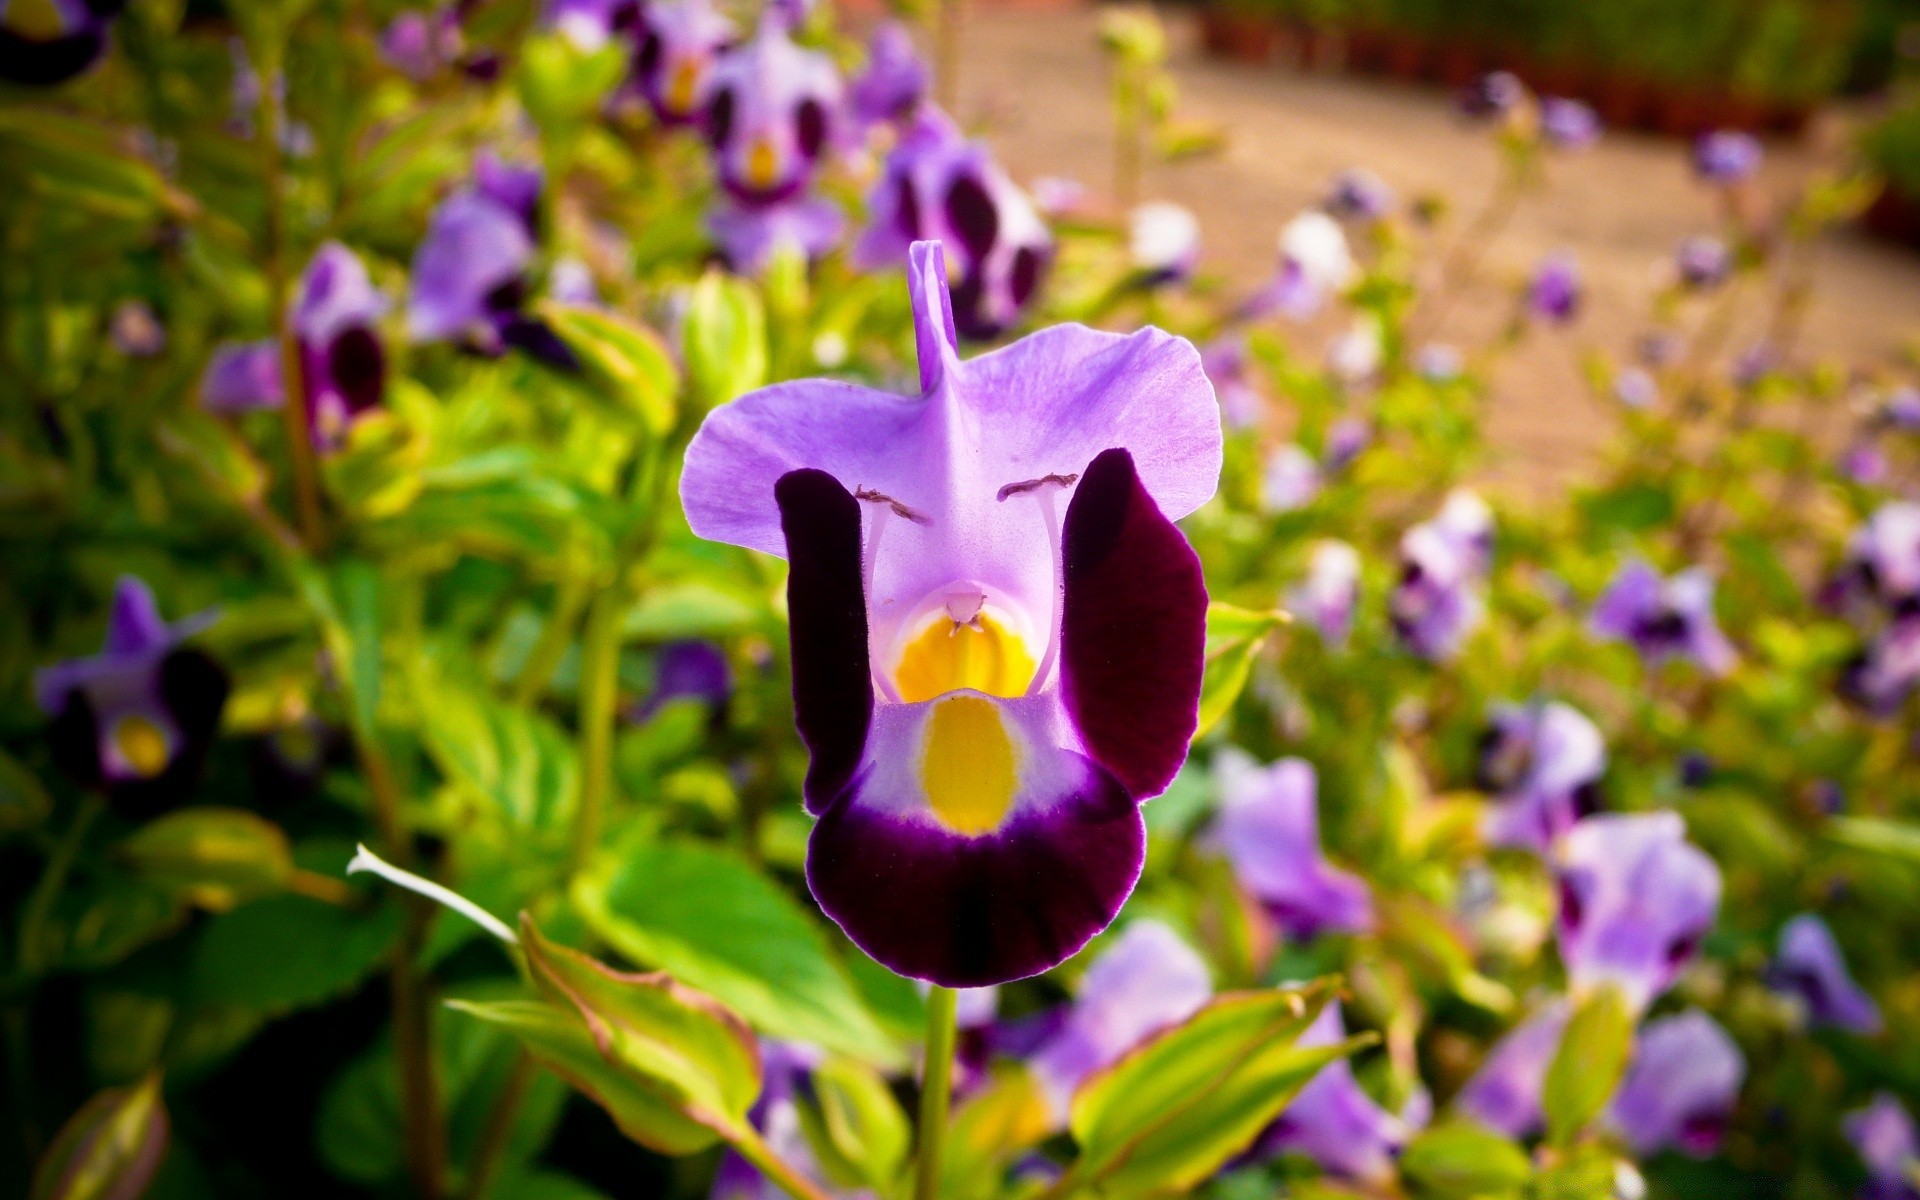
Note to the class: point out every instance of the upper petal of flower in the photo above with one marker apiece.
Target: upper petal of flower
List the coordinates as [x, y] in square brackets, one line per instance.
[1809, 965]
[1635, 900]
[1270, 832]
[474, 246]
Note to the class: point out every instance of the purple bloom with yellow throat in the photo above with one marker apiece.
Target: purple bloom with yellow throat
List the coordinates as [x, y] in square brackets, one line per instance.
[997, 630]
[1543, 761]
[1636, 898]
[1883, 1135]
[1269, 829]
[1681, 1088]
[772, 114]
[135, 720]
[680, 41]
[47, 42]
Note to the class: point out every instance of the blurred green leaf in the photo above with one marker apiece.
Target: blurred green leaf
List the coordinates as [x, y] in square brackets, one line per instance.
[857, 1131]
[1462, 1161]
[1235, 636]
[73, 160]
[287, 952]
[524, 765]
[623, 361]
[1589, 1064]
[214, 858]
[723, 339]
[1893, 839]
[109, 1150]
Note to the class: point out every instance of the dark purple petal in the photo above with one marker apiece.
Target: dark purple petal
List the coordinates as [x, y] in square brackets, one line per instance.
[1133, 629]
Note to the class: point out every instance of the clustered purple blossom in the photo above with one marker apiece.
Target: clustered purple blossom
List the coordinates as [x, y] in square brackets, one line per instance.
[1443, 564]
[1878, 586]
[1664, 618]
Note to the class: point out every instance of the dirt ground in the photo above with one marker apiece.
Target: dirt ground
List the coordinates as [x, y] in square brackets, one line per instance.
[1034, 78]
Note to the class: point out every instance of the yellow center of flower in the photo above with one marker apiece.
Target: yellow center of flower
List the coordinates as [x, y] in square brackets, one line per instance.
[967, 765]
[686, 77]
[142, 745]
[763, 163]
[36, 19]
[982, 655]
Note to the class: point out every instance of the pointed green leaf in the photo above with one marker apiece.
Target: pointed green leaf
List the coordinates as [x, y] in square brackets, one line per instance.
[215, 858]
[725, 339]
[1589, 1064]
[109, 1150]
[1235, 637]
[623, 361]
[1462, 1161]
[854, 1124]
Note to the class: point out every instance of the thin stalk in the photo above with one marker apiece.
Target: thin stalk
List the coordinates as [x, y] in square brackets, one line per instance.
[936, 1090]
[53, 880]
[293, 409]
[599, 686]
[491, 1153]
[1127, 114]
[756, 1151]
[949, 18]
[546, 654]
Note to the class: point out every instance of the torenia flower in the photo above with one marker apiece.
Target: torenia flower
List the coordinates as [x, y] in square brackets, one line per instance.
[1314, 264]
[1227, 366]
[997, 630]
[680, 41]
[1664, 618]
[1569, 124]
[1163, 239]
[687, 671]
[1726, 156]
[1269, 830]
[1635, 900]
[1882, 675]
[1883, 561]
[1810, 967]
[1681, 1087]
[1702, 262]
[419, 44]
[136, 719]
[895, 79]
[1883, 1135]
[1145, 981]
[749, 234]
[1544, 762]
[1437, 601]
[1290, 478]
[937, 185]
[1359, 194]
[1335, 1123]
[772, 115]
[1555, 292]
[1504, 1094]
[47, 42]
[1326, 599]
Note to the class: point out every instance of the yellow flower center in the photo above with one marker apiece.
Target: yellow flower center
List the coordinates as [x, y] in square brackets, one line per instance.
[982, 655]
[142, 745]
[39, 19]
[967, 765]
[763, 163]
[686, 77]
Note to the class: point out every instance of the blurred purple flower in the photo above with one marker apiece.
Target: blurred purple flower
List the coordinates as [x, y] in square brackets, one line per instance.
[936, 184]
[1702, 262]
[1544, 762]
[1269, 830]
[1327, 597]
[1810, 967]
[1636, 389]
[1315, 262]
[1659, 347]
[687, 671]
[1504, 1094]
[1290, 479]
[1438, 362]
[785, 1067]
[1354, 356]
[242, 377]
[1902, 409]
[1141, 982]
[1556, 291]
[1635, 900]
[1442, 562]
[1883, 562]
[135, 331]
[419, 44]
[1664, 618]
[1494, 94]
[1726, 156]
[1864, 463]
[1883, 1135]
[1569, 124]
[1359, 194]
[1345, 440]
[749, 234]
[1681, 1088]
[47, 42]
[773, 114]
[570, 281]
[680, 41]
[1882, 675]
[1057, 196]
[1226, 363]
[1754, 364]
[895, 79]
[1163, 239]
[1335, 1123]
[136, 719]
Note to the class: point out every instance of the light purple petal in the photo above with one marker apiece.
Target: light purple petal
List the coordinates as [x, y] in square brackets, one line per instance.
[1681, 1087]
[749, 234]
[1334, 1121]
[1809, 965]
[1883, 1135]
[895, 79]
[336, 294]
[1635, 900]
[1269, 830]
[242, 377]
[1504, 1095]
[1542, 760]
[473, 246]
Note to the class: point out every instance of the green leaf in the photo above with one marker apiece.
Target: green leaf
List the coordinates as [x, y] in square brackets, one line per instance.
[1587, 1068]
[563, 85]
[110, 1149]
[1235, 636]
[1877, 835]
[1462, 1161]
[622, 360]
[854, 1124]
[724, 339]
[242, 958]
[1173, 1111]
[78, 161]
[524, 765]
[226, 462]
[995, 1124]
[215, 858]
[24, 802]
[715, 923]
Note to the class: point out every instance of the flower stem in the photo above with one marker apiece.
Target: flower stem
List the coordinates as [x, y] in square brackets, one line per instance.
[552, 646]
[498, 1131]
[755, 1150]
[936, 1090]
[599, 686]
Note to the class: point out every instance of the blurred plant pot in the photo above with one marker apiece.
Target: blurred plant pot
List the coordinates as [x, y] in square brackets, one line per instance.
[1240, 36]
[1894, 215]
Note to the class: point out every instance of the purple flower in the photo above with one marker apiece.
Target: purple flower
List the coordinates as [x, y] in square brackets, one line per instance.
[1504, 1094]
[242, 377]
[419, 44]
[1326, 599]
[135, 330]
[785, 1067]
[135, 720]
[1810, 967]
[1335, 1123]
[749, 234]
[1902, 409]
[1681, 1088]
[997, 629]
[1439, 363]
[1664, 618]
[1636, 388]
[1702, 262]
[1883, 561]
[1145, 980]
[1726, 156]
[1882, 675]
[1164, 242]
[1883, 1135]
[1442, 562]
[1544, 762]
[1315, 262]
[895, 80]
[1269, 830]
[591, 24]
[1864, 463]
[1635, 900]
[1290, 479]
[1359, 194]
[936, 185]
[47, 42]
[1555, 293]
[680, 41]
[1494, 94]
[774, 112]
[1057, 196]
[1226, 362]
[1346, 438]
[1569, 124]
[687, 671]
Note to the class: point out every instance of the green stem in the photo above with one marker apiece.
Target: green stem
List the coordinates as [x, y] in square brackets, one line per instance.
[39, 905]
[936, 1090]
[756, 1151]
[498, 1131]
[599, 686]
[552, 646]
